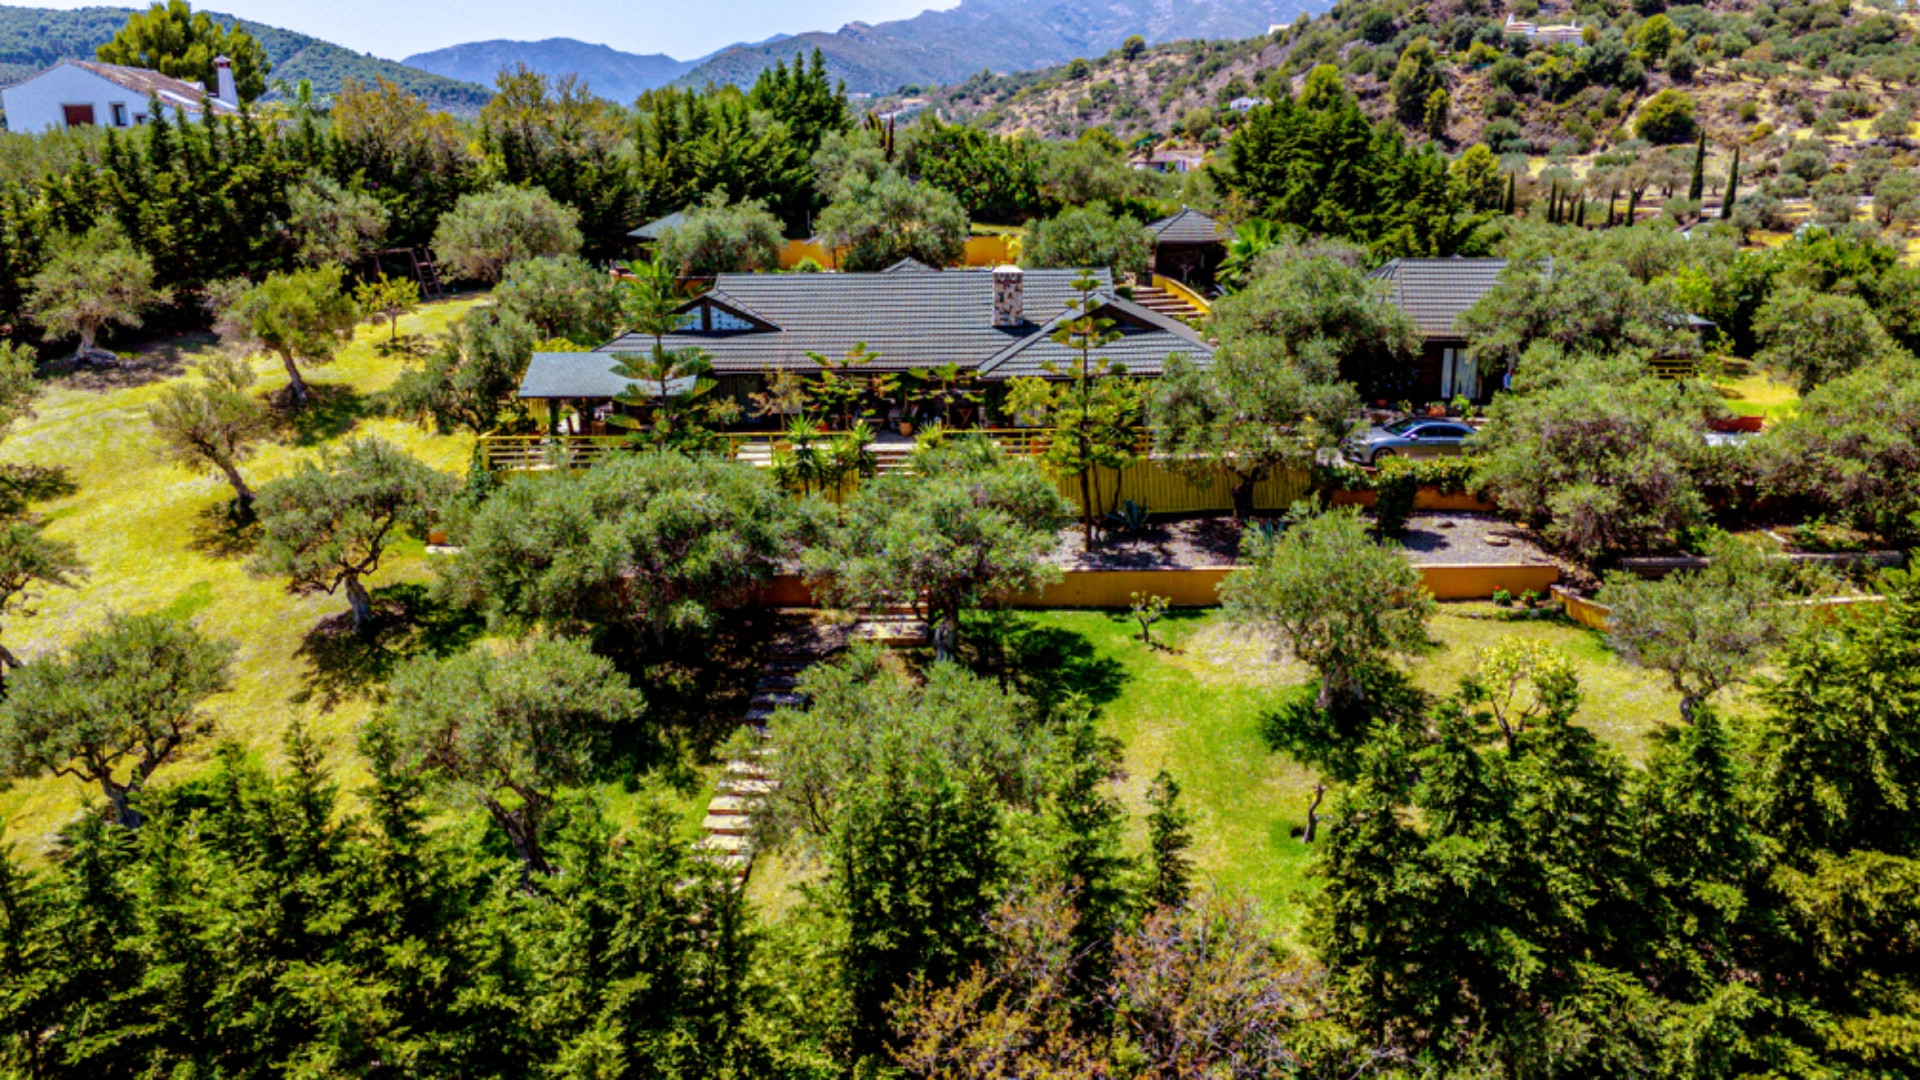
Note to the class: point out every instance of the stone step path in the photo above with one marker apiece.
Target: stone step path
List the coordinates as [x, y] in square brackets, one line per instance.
[748, 779]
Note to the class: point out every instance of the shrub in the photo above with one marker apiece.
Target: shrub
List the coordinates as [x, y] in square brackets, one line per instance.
[1666, 119]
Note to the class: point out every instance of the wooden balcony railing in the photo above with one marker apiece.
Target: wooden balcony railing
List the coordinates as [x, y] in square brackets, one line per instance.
[531, 453]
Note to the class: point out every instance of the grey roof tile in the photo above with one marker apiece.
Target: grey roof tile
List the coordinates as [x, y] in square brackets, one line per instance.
[1434, 292]
[655, 229]
[1189, 226]
[581, 375]
[1146, 339]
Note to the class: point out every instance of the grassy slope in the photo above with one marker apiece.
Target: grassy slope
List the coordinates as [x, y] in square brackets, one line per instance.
[1197, 712]
[1196, 708]
[153, 536]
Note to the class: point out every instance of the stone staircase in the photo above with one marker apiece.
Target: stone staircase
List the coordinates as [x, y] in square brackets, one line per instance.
[1166, 303]
[750, 778]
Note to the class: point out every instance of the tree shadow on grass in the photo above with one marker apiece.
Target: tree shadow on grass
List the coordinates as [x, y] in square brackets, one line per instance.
[146, 364]
[1048, 664]
[23, 485]
[408, 622]
[332, 410]
[218, 531]
[698, 691]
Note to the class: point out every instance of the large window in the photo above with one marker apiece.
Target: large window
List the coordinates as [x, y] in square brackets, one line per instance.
[77, 115]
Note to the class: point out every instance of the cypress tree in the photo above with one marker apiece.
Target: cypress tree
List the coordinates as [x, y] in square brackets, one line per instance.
[1697, 185]
[1733, 187]
[1633, 206]
[1506, 204]
[1610, 210]
[1580, 214]
[1553, 203]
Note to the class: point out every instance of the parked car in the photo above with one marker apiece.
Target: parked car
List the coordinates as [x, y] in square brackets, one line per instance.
[1414, 437]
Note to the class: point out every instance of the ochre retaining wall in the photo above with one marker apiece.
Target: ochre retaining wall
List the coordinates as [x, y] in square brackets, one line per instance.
[1425, 499]
[1593, 614]
[1199, 587]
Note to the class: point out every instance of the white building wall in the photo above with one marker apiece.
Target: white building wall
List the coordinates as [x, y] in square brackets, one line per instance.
[38, 104]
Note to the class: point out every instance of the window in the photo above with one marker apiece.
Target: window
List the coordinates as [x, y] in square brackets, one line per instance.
[724, 320]
[77, 115]
[119, 113]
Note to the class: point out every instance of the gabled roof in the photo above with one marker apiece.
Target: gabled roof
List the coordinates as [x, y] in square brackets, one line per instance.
[1189, 226]
[1434, 292]
[1146, 339]
[908, 319]
[911, 320]
[909, 265]
[587, 375]
[655, 229]
[176, 93]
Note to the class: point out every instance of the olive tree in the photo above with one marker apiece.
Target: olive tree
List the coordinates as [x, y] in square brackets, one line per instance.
[1281, 384]
[1810, 337]
[488, 231]
[302, 317]
[879, 221]
[1707, 629]
[89, 283]
[562, 296]
[506, 729]
[1599, 455]
[1084, 236]
[959, 530]
[30, 561]
[657, 542]
[332, 224]
[1853, 448]
[468, 380]
[326, 527]
[1339, 601]
[213, 423]
[720, 238]
[122, 701]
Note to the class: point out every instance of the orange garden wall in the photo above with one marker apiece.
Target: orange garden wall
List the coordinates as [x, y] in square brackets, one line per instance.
[1593, 614]
[1198, 587]
[1425, 499]
[981, 251]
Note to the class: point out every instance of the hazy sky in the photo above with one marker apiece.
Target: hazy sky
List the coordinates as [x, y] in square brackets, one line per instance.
[680, 28]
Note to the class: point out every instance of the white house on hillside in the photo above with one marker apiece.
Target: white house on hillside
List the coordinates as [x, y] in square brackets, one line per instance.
[76, 93]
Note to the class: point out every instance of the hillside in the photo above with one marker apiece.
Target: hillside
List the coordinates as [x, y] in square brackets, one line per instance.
[615, 75]
[997, 35]
[33, 39]
[1818, 98]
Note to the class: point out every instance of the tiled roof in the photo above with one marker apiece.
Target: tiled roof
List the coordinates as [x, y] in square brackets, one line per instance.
[1146, 339]
[910, 320]
[654, 230]
[581, 375]
[177, 93]
[1189, 226]
[1433, 292]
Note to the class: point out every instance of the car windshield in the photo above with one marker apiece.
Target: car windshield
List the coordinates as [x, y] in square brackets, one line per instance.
[1401, 427]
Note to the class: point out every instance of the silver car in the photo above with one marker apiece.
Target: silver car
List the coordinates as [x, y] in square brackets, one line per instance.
[1413, 437]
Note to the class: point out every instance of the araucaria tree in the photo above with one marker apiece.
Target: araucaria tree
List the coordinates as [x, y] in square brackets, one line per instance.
[1332, 596]
[507, 730]
[302, 317]
[326, 527]
[121, 702]
[667, 384]
[214, 422]
[1293, 343]
[964, 526]
[89, 283]
[1091, 405]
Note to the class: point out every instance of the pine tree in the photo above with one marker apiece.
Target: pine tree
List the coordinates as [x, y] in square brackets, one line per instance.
[1733, 187]
[1698, 184]
[1169, 836]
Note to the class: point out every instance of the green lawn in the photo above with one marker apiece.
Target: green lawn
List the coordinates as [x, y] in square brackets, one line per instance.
[1195, 709]
[1753, 393]
[155, 536]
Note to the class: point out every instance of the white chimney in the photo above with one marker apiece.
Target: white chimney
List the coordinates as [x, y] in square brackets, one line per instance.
[228, 92]
[1008, 309]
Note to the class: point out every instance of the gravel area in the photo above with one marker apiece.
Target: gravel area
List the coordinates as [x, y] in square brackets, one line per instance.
[1470, 538]
[1215, 541]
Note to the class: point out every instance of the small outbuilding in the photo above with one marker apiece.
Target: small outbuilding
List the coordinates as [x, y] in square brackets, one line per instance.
[1189, 247]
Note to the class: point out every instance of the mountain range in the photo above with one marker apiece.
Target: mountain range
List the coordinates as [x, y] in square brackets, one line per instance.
[931, 48]
[34, 39]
